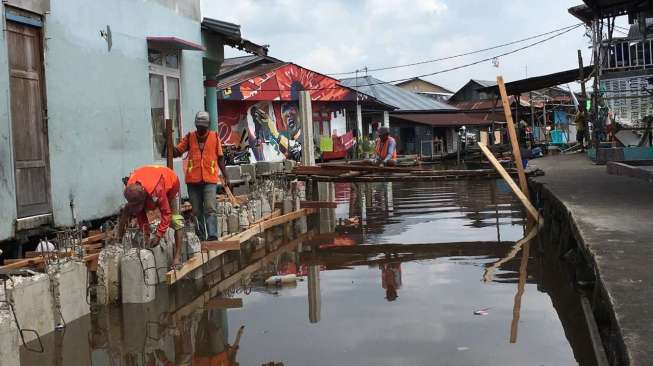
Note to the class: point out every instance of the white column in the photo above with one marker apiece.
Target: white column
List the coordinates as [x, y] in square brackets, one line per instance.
[306, 118]
[386, 119]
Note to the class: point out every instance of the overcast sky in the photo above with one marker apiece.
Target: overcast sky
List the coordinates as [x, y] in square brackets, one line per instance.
[344, 35]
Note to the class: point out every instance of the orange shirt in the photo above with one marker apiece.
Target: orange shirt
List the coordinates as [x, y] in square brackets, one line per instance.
[162, 186]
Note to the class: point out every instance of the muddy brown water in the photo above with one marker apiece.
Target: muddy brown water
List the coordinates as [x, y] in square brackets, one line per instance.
[366, 295]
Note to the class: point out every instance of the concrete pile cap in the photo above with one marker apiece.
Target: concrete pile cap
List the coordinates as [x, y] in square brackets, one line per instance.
[18, 281]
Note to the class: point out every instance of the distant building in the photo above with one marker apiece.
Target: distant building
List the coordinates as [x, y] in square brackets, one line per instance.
[258, 101]
[470, 91]
[418, 121]
[426, 88]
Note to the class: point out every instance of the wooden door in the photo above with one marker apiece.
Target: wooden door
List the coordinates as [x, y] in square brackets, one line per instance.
[28, 119]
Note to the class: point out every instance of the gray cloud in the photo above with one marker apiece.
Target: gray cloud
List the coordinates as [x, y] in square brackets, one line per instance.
[341, 35]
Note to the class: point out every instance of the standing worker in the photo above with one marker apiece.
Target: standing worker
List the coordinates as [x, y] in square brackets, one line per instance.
[148, 188]
[205, 156]
[386, 148]
[581, 126]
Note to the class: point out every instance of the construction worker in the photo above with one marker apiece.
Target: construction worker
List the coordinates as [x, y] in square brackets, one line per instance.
[386, 148]
[204, 158]
[153, 187]
[581, 126]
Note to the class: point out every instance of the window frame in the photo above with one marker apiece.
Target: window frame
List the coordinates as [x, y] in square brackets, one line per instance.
[165, 72]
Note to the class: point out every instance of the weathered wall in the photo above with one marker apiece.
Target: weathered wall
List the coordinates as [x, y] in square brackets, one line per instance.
[98, 102]
[7, 183]
[35, 6]
[187, 8]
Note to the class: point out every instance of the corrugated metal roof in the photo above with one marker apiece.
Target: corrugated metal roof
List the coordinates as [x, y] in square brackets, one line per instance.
[485, 83]
[393, 95]
[244, 75]
[230, 65]
[446, 119]
[227, 29]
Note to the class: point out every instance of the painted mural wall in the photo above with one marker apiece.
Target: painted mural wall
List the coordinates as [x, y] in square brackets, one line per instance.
[263, 111]
[272, 128]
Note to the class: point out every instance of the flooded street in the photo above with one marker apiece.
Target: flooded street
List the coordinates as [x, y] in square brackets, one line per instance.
[400, 282]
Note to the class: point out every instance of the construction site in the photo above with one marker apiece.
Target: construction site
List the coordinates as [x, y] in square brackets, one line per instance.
[269, 214]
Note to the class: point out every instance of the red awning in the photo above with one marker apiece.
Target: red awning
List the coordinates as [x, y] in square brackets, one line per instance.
[175, 43]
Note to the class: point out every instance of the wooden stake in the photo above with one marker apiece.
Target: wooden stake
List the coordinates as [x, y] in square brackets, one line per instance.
[513, 138]
[532, 211]
[232, 199]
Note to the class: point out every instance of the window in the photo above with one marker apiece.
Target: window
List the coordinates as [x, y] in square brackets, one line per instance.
[165, 95]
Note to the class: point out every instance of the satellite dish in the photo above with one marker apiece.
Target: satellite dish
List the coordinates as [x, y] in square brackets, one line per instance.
[106, 34]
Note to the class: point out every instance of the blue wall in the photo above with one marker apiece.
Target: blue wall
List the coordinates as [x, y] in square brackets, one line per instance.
[98, 102]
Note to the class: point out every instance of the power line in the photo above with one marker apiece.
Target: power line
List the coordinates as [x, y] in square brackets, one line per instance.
[461, 54]
[440, 71]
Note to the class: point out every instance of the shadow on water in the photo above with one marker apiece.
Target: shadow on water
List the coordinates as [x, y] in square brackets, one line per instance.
[399, 281]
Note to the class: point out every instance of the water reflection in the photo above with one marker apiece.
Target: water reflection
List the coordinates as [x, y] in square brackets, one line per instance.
[396, 282]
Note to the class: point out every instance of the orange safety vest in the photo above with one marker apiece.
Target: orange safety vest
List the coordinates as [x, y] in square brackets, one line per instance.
[150, 175]
[382, 148]
[203, 163]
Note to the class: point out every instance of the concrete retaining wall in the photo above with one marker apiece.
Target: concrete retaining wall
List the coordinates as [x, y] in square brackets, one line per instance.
[33, 304]
[69, 282]
[9, 340]
[138, 276]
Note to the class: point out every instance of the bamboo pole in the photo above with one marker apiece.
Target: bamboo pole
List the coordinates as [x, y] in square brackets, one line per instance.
[513, 137]
[532, 211]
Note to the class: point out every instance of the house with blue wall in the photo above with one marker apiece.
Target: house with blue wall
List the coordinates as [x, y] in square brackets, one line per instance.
[85, 88]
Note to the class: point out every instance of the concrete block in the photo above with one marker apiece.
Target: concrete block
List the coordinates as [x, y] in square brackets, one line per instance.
[301, 225]
[266, 209]
[9, 340]
[108, 275]
[289, 165]
[233, 172]
[256, 209]
[191, 246]
[248, 170]
[243, 218]
[138, 276]
[69, 289]
[233, 223]
[287, 206]
[33, 304]
[163, 254]
[241, 190]
[263, 168]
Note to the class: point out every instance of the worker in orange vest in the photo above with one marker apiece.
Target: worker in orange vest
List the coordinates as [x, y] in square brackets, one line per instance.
[204, 158]
[153, 187]
[386, 148]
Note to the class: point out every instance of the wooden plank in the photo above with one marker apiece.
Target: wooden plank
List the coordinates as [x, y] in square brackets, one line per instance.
[30, 262]
[224, 303]
[520, 194]
[221, 245]
[317, 204]
[285, 218]
[93, 238]
[93, 246]
[371, 168]
[12, 261]
[47, 254]
[255, 229]
[516, 153]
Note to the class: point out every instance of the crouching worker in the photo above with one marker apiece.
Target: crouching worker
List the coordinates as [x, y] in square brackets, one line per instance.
[153, 187]
[386, 148]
